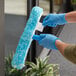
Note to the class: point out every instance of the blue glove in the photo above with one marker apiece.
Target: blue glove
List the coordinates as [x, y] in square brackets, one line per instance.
[46, 40]
[53, 20]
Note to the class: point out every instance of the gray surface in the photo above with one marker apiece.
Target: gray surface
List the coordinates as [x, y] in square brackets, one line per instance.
[67, 68]
[14, 26]
[1, 38]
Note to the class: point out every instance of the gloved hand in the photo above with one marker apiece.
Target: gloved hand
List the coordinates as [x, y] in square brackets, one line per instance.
[46, 40]
[53, 20]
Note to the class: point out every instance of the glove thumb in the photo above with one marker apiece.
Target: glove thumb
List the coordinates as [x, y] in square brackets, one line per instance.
[38, 37]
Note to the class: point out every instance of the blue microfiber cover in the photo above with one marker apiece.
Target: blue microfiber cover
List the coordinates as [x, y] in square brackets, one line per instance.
[26, 38]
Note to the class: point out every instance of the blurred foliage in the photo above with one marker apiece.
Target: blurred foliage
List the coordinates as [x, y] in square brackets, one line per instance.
[41, 68]
[9, 70]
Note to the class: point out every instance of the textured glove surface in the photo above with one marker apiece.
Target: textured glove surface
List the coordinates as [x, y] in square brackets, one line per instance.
[53, 20]
[46, 40]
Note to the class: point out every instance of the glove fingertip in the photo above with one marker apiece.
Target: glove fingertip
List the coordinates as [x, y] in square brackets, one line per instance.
[36, 37]
[44, 24]
[42, 35]
[45, 18]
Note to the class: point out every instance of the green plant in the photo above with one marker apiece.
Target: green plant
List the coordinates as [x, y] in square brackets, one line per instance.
[41, 68]
[9, 70]
[38, 69]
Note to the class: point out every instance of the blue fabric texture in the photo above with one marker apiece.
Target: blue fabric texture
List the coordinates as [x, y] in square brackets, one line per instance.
[53, 20]
[19, 57]
[46, 40]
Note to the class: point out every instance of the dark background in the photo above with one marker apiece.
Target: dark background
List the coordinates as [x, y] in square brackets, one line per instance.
[1, 38]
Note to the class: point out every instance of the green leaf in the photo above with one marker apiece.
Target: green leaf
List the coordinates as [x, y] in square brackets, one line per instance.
[31, 64]
[37, 62]
[29, 69]
[40, 61]
[12, 70]
[46, 59]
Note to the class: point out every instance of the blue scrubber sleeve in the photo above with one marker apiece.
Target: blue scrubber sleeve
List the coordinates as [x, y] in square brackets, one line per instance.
[19, 57]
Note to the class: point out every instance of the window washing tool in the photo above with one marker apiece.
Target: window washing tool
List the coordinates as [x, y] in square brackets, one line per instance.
[33, 24]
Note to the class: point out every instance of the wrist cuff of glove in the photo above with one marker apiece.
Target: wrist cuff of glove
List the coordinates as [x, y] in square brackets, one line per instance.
[55, 48]
[64, 19]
